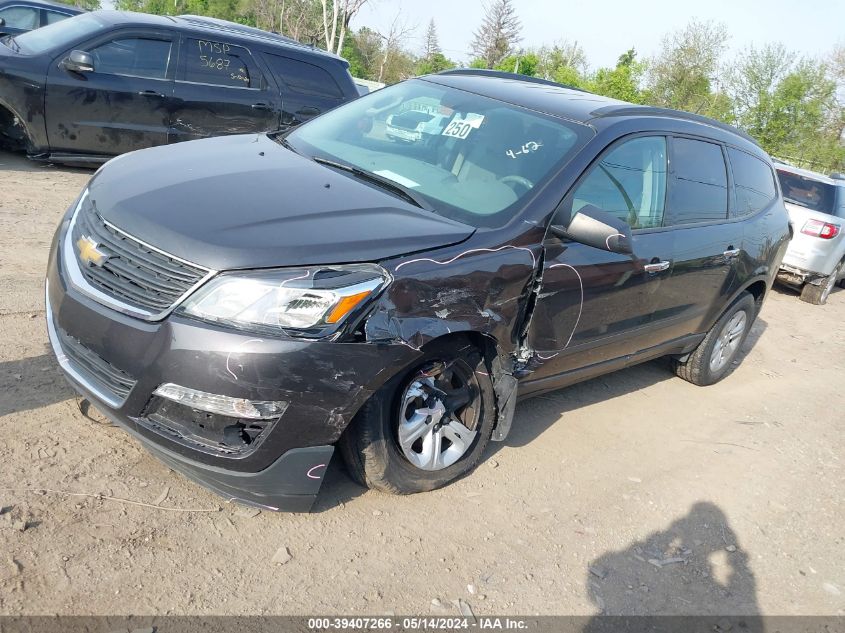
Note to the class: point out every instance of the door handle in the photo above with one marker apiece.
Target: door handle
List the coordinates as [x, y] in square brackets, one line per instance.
[731, 252]
[151, 93]
[656, 267]
[261, 106]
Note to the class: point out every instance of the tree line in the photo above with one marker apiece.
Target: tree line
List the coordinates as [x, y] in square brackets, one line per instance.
[792, 104]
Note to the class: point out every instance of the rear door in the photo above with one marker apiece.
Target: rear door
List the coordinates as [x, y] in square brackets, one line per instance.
[221, 89]
[595, 306]
[307, 90]
[707, 243]
[123, 105]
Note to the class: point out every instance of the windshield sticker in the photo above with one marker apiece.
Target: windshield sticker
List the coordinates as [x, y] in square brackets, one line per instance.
[530, 146]
[461, 127]
[390, 175]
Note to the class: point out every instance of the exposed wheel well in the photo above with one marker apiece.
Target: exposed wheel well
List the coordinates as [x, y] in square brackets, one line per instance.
[486, 344]
[758, 291]
[13, 130]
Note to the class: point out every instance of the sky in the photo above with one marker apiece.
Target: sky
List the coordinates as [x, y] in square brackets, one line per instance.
[606, 28]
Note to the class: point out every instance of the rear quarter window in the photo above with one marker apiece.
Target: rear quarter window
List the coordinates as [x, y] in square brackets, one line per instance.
[303, 77]
[754, 183]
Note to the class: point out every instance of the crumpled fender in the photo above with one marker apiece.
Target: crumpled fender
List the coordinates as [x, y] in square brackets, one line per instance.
[487, 291]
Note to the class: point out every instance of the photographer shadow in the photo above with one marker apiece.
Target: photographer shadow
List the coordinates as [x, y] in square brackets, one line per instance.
[693, 576]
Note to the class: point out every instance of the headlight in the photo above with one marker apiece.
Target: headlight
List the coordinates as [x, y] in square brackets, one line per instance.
[310, 299]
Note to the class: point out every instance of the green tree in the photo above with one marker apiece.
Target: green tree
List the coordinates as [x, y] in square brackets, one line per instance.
[436, 64]
[91, 5]
[364, 50]
[522, 63]
[789, 106]
[682, 74]
[498, 33]
[622, 82]
[433, 60]
[799, 115]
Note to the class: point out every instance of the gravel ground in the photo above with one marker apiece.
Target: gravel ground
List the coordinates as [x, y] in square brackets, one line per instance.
[632, 493]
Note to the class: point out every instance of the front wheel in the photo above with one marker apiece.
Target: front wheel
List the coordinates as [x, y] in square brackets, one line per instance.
[817, 295]
[712, 359]
[426, 427]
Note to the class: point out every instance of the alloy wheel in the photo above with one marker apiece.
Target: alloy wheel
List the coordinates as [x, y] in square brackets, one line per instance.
[829, 283]
[728, 342]
[439, 415]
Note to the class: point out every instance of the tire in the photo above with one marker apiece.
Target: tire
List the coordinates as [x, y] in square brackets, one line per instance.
[818, 294]
[700, 368]
[371, 446]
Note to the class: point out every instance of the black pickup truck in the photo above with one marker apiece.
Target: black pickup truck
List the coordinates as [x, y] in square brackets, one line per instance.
[20, 16]
[104, 83]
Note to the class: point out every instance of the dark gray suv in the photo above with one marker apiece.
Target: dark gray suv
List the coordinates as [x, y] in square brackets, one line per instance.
[244, 305]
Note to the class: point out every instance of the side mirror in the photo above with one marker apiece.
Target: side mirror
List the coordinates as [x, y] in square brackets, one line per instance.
[79, 62]
[597, 228]
[2, 21]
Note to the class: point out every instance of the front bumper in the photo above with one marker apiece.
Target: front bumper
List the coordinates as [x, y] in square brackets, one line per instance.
[323, 383]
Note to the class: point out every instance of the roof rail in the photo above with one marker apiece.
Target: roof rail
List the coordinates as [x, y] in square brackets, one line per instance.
[678, 114]
[501, 74]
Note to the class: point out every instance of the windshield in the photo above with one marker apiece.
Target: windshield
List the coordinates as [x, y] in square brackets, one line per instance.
[471, 158]
[806, 192]
[58, 35]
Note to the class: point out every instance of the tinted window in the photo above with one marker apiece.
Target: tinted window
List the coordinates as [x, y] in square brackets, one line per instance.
[699, 188]
[304, 77]
[807, 192]
[20, 18]
[753, 181]
[59, 35]
[629, 182]
[220, 64]
[133, 56]
[53, 16]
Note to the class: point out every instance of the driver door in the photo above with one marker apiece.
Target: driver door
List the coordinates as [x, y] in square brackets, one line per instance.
[123, 105]
[595, 306]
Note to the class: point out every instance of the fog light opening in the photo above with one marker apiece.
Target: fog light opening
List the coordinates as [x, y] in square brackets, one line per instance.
[222, 405]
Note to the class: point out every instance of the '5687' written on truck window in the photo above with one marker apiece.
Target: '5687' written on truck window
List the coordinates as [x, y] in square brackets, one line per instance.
[217, 63]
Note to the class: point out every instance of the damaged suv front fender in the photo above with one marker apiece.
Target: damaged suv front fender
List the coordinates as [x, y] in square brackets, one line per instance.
[487, 292]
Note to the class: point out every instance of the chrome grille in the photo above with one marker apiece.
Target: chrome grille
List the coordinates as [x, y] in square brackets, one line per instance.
[132, 272]
[109, 378]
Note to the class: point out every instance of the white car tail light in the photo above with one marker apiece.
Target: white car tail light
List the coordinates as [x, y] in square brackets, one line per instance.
[824, 230]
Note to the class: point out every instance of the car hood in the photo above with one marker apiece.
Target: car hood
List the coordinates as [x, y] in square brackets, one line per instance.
[247, 202]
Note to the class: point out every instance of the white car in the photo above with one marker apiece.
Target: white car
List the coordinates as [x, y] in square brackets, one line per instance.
[815, 260]
[412, 126]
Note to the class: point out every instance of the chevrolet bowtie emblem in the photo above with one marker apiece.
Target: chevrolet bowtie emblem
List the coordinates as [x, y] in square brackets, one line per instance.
[89, 252]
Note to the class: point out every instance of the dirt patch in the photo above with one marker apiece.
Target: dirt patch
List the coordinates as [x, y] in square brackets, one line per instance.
[631, 493]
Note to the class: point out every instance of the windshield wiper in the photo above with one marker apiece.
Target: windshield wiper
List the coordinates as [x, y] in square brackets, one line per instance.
[11, 43]
[384, 183]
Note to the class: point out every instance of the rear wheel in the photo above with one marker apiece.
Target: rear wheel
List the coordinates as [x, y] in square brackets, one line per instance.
[713, 358]
[818, 294]
[425, 428]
